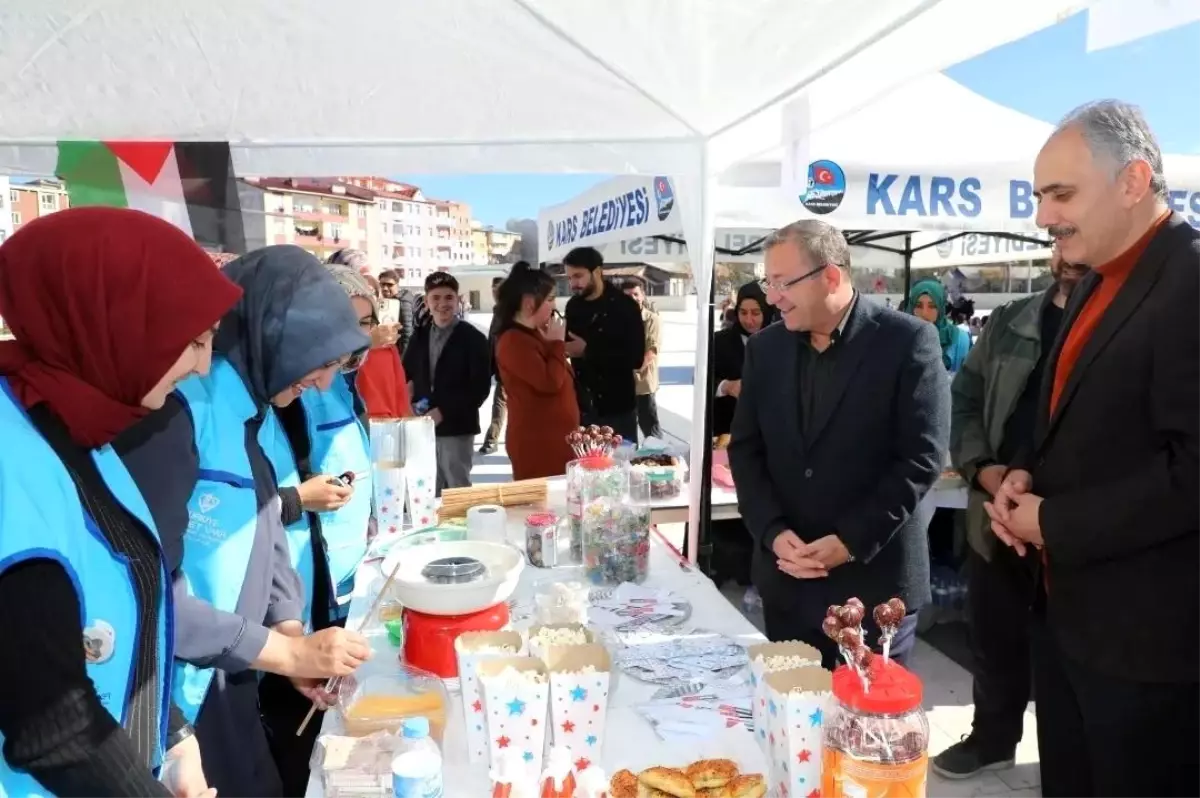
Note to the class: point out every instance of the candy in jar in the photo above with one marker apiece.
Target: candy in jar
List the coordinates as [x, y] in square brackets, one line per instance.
[876, 736]
[588, 479]
[616, 541]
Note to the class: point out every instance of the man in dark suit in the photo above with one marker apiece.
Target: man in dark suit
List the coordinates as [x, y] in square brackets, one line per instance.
[840, 431]
[1110, 490]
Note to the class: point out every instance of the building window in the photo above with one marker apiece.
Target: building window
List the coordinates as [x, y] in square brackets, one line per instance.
[49, 202]
[16, 219]
[335, 230]
[13, 197]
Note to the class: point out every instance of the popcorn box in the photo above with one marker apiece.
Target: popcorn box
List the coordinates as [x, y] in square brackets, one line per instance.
[767, 658]
[538, 649]
[580, 677]
[516, 694]
[797, 701]
[473, 648]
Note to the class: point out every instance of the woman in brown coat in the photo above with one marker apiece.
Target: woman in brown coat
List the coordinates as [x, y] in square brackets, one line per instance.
[533, 368]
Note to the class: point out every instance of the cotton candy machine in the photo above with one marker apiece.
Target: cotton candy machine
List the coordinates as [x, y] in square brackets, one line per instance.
[449, 588]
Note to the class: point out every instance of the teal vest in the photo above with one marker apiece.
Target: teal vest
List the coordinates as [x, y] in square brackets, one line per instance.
[41, 517]
[223, 509]
[339, 444]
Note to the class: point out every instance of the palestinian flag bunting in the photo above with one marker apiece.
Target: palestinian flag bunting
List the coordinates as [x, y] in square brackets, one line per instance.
[190, 184]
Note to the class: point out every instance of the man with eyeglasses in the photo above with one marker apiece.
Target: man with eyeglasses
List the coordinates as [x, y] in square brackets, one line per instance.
[840, 430]
[397, 306]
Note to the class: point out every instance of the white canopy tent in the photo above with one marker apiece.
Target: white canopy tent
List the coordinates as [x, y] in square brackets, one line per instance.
[672, 87]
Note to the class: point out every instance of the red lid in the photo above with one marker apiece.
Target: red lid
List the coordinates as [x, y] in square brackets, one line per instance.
[596, 462]
[893, 690]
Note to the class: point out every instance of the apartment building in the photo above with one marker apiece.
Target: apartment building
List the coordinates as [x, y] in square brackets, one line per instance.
[491, 246]
[28, 201]
[320, 216]
[8, 199]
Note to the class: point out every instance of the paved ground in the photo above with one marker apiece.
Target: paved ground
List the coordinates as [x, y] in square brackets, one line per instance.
[947, 685]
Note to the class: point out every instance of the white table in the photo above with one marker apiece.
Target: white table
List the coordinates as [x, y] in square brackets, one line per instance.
[629, 740]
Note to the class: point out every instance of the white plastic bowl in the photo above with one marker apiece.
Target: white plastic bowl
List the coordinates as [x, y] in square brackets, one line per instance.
[504, 564]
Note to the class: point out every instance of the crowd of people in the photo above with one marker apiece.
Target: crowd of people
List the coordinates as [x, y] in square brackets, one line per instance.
[185, 476]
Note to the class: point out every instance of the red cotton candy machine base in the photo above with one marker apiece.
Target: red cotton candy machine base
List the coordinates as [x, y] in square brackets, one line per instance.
[429, 639]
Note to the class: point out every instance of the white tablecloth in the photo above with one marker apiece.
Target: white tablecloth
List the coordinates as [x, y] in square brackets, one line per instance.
[629, 739]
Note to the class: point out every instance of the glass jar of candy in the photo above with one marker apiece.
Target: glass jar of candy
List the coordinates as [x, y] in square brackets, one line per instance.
[616, 536]
[588, 479]
[875, 733]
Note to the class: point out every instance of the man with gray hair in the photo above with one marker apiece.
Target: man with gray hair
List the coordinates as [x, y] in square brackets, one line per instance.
[1105, 499]
[840, 431]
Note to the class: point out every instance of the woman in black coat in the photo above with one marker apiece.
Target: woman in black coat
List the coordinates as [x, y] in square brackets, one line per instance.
[729, 345]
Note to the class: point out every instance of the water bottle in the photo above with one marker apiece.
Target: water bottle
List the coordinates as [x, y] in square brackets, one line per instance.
[417, 771]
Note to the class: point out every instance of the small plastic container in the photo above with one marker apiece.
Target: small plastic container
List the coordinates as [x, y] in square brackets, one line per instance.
[616, 537]
[588, 479]
[378, 702]
[876, 739]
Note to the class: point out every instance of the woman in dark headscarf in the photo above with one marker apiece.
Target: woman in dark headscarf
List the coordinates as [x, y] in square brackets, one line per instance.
[109, 309]
[927, 300]
[242, 604]
[729, 345]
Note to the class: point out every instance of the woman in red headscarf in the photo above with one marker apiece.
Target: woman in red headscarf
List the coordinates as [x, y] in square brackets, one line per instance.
[109, 309]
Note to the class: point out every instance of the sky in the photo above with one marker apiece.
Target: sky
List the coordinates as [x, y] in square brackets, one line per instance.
[1044, 75]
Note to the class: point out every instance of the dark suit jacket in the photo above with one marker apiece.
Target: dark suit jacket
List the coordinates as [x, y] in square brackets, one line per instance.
[462, 380]
[728, 351]
[1117, 467]
[863, 473]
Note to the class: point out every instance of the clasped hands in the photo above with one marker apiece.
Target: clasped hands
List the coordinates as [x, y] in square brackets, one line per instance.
[808, 560]
[1014, 511]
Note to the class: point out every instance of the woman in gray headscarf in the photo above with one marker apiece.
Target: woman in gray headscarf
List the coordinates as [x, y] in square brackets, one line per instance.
[241, 588]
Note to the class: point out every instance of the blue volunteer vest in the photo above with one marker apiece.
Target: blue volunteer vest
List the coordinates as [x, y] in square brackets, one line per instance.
[41, 517]
[223, 509]
[338, 444]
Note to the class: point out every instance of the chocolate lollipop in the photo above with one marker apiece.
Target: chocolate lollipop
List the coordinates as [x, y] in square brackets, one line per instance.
[888, 617]
[831, 628]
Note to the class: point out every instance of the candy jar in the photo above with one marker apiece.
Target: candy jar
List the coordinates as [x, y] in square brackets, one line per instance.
[876, 736]
[616, 536]
[588, 479]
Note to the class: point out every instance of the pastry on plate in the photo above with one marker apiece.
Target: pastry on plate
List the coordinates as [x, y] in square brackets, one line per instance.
[711, 772]
[751, 785]
[623, 784]
[713, 792]
[673, 782]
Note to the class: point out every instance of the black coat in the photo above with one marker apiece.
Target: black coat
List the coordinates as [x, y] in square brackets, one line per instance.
[462, 381]
[1117, 469]
[864, 471]
[616, 345]
[728, 352]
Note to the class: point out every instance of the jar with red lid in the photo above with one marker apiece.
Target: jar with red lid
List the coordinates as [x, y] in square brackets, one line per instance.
[876, 735]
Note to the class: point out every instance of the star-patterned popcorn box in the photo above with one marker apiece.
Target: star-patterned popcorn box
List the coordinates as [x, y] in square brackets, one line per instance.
[545, 636]
[473, 648]
[422, 509]
[580, 678]
[797, 701]
[767, 658]
[516, 695]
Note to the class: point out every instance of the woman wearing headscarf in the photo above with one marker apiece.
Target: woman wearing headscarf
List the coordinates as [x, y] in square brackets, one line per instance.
[219, 465]
[326, 430]
[380, 380]
[752, 313]
[109, 309]
[927, 300]
[533, 367]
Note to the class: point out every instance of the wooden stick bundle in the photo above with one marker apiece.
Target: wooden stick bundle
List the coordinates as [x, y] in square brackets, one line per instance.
[456, 501]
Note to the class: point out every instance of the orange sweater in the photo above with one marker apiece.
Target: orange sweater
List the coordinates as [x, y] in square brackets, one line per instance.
[1114, 274]
[542, 411]
[382, 384]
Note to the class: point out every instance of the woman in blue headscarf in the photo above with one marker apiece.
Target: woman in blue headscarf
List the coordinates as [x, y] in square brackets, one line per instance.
[927, 300]
[219, 473]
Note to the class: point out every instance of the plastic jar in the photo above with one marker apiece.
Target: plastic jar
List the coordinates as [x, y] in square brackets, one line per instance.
[616, 536]
[876, 739]
[588, 479]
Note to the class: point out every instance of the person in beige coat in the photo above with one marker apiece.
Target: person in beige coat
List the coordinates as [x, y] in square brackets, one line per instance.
[646, 378]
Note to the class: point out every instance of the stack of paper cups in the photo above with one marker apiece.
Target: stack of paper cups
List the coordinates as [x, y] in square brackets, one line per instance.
[797, 702]
[487, 522]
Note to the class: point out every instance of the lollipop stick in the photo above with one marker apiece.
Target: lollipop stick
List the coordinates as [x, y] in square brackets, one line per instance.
[887, 647]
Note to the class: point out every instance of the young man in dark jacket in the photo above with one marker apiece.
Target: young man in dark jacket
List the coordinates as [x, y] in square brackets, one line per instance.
[450, 372]
[606, 344]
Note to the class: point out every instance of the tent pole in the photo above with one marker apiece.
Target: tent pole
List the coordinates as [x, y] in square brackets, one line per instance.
[908, 253]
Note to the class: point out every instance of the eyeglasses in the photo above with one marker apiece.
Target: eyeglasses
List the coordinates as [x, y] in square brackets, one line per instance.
[349, 363]
[368, 322]
[779, 288]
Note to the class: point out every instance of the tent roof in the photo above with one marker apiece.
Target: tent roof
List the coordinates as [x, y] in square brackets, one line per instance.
[378, 86]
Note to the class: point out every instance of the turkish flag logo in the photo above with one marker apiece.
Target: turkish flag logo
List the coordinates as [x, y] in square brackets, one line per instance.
[822, 175]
